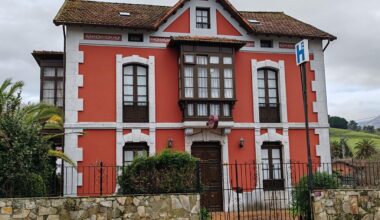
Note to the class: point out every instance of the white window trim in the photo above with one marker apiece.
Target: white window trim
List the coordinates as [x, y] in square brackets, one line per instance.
[280, 67]
[136, 135]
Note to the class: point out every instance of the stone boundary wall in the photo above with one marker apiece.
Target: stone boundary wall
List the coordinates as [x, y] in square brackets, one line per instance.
[184, 207]
[346, 204]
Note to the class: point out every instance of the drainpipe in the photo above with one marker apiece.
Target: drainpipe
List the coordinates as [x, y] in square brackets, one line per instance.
[63, 113]
[327, 45]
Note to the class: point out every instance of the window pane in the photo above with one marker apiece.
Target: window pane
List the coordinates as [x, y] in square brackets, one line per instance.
[202, 109]
[59, 93]
[214, 73]
[227, 73]
[188, 72]
[228, 83]
[261, 83]
[262, 100]
[272, 84]
[189, 92]
[128, 98]
[215, 93]
[141, 80]
[141, 90]
[189, 82]
[128, 70]
[190, 110]
[49, 101]
[271, 74]
[59, 102]
[60, 72]
[128, 80]
[48, 93]
[260, 74]
[141, 99]
[202, 72]
[226, 110]
[128, 90]
[276, 154]
[214, 109]
[272, 93]
[228, 93]
[128, 156]
[214, 60]
[189, 59]
[261, 93]
[273, 100]
[202, 60]
[264, 154]
[141, 71]
[49, 72]
[227, 60]
[48, 84]
[60, 85]
[202, 93]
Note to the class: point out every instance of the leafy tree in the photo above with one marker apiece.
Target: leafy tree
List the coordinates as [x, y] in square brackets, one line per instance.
[25, 152]
[338, 122]
[365, 149]
[369, 129]
[340, 149]
[353, 125]
[378, 129]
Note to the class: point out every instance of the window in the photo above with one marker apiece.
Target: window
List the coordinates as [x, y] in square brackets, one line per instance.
[266, 43]
[132, 151]
[52, 86]
[271, 155]
[203, 18]
[135, 93]
[206, 83]
[136, 37]
[268, 96]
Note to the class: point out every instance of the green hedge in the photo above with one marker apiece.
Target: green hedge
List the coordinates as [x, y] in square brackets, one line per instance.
[168, 172]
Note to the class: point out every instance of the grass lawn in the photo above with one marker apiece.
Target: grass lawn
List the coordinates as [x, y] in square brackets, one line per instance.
[353, 136]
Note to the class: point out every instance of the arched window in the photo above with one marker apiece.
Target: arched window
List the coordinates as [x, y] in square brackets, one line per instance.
[135, 93]
[268, 96]
[133, 150]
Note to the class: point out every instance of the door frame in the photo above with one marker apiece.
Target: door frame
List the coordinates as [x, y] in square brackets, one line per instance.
[215, 145]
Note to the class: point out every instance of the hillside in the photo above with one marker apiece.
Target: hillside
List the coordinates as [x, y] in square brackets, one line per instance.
[371, 122]
[353, 136]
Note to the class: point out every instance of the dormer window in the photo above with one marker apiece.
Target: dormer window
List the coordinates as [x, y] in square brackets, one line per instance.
[203, 18]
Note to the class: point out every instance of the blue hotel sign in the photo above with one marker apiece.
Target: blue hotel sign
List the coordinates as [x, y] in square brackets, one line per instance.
[302, 52]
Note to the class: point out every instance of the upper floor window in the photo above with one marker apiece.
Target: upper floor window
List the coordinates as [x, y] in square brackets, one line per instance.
[135, 37]
[266, 43]
[203, 18]
[271, 156]
[52, 86]
[207, 84]
[135, 93]
[268, 96]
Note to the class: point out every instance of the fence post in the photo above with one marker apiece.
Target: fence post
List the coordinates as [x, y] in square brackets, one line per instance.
[198, 170]
[101, 178]
[237, 189]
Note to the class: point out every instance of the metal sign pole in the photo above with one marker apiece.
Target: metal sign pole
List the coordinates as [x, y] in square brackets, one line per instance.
[309, 160]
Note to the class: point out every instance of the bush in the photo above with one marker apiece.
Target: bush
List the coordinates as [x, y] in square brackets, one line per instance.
[300, 194]
[168, 172]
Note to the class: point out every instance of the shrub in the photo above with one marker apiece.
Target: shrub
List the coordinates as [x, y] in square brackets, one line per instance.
[168, 172]
[300, 194]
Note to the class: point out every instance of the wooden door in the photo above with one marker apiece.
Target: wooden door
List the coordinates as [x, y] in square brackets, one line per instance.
[211, 174]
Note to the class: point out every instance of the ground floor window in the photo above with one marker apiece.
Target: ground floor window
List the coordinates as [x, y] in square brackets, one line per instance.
[271, 155]
[133, 150]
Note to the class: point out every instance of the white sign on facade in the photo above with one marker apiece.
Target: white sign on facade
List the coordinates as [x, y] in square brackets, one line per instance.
[302, 52]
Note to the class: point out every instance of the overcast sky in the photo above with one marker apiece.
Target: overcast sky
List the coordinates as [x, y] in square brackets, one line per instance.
[352, 62]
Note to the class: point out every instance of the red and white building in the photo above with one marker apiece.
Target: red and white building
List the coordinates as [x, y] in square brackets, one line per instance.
[141, 78]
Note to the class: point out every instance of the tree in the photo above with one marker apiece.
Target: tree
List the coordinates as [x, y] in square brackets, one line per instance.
[365, 149]
[340, 149]
[378, 129]
[369, 129]
[25, 152]
[353, 125]
[338, 122]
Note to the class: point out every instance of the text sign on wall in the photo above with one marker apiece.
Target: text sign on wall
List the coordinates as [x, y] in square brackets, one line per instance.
[302, 52]
[110, 37]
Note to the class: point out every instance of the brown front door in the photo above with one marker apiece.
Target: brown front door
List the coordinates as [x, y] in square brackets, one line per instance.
[211, 174]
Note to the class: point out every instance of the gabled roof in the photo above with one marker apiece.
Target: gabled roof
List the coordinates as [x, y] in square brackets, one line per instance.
[150, 17]
[40, 55]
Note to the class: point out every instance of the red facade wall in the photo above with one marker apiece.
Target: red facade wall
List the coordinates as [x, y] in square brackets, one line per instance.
[181, 24]
[224, 27]
[297, 143]
[162, 137]
[245, 154]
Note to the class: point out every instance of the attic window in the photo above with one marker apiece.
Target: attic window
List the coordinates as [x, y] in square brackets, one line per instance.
[266, 43]
[254, 21]
[124, 13]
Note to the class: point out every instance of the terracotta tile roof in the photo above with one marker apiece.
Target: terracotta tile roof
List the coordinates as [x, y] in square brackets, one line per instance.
[278, 23]
[150, 17]
[208, 40]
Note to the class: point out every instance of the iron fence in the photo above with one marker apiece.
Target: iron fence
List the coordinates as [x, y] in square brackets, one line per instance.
[228, 191]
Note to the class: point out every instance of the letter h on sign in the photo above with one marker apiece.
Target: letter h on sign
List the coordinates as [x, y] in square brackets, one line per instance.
[302, 52]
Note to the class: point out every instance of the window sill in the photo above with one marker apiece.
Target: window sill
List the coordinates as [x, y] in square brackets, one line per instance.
[203, 124]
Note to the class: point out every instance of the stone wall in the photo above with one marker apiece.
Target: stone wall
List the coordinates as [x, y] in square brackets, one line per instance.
[118, 208]
[347, 204]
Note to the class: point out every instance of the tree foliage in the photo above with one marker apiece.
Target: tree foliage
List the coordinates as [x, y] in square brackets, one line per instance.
[365, 149]
[338, 122]
[354, 126]
[340, 149]
[369, 129]
[26, 163]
